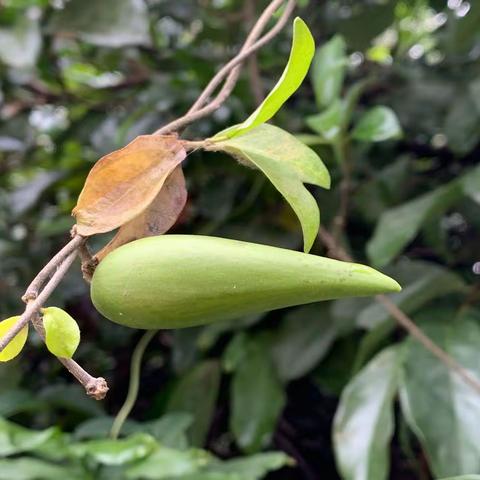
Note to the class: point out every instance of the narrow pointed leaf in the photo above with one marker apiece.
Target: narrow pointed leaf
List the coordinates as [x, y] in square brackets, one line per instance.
[288, 163]
[363, 424]
[157, 218]
[17, 343]
[124, 183]
[62, 335]
[303, 48]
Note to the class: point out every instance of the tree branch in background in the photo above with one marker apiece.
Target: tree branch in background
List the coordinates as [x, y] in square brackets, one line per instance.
[336, 251]
[230, 71]
[253, 68]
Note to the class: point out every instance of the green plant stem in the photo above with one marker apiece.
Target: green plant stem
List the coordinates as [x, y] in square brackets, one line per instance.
[134, 385]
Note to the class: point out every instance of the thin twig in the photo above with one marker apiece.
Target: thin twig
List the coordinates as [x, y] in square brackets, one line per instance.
[134, 385]
[253, 67]
[404, 320]
[45, 273]
[34, 306]
[96, 388]
[231, 80]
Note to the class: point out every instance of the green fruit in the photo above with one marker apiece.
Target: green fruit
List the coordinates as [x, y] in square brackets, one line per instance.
[176, 281]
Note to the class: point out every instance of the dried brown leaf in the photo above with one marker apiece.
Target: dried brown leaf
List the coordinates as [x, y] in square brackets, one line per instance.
[123, 183]
[157, 218]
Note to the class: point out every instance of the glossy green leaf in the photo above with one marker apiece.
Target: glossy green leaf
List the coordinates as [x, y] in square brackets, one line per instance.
[254, 467]
[257, 399]
[196, 393]
[363, 424]
[116, 452]
[34, 469]
[440, 407]
[302, 341]
[288, 164]
[17, 343]
[62, 335]
[166, 463]
[399, 225]
[15, 439]
[109, 23]
[303, 47]
[328, 71]
[377, 125]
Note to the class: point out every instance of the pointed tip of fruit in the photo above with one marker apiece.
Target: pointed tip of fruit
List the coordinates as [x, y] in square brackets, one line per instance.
[383, 283]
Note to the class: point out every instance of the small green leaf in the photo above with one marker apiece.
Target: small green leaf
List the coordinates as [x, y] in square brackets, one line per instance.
[257, 399]
[288, 164]
[328, 71]
[363, 424]
[303, 47]
[377, 125]
[17, 343]
[62, 334]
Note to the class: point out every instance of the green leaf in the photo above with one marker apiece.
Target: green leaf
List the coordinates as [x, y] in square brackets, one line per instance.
[34, 469]
[288, 164]
[109, 23]
[15, 439]
[302, 341]
[254, 467]
[62, 335]
[115, 452]
[328, 124]
[257, 399]
[328, 71]
[377, 125]
[166, 463]
[463, 477]
[17, 343]
[170, 430]
[303, 47]
[399, 225]
[439, 406]
[196, 393]
[363, 424]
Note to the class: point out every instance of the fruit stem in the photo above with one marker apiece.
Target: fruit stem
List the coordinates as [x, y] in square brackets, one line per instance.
[134, 384]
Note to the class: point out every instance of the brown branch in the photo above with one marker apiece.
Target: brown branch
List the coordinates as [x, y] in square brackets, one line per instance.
[33, 306]
[35, 297]
[96, 388]
[229, 70]
[404, 320]
[32, 291]
[253, 68]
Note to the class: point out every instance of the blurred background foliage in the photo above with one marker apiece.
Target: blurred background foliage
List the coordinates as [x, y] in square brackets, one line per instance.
[393, 101]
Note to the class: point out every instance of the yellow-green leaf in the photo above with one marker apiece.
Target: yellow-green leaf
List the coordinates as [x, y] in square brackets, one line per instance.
[18, 341]
[288, 164]
[301, 54]
[62, 334]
